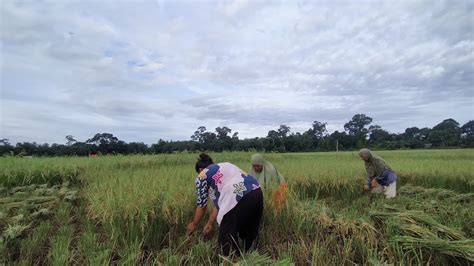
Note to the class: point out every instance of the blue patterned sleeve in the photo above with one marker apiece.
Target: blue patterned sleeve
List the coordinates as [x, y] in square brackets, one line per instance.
[202, 192]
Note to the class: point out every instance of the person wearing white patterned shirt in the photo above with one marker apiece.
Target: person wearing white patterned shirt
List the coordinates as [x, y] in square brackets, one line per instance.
[237, 199]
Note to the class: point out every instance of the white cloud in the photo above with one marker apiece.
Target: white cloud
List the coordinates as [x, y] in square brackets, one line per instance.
[147, 69]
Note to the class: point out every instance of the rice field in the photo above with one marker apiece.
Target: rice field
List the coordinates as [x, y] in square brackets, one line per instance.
[134, 209]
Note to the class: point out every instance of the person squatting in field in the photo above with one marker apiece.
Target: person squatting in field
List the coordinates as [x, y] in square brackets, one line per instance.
[238, 204]
[267, 175]
[380, 177]
[271, 180]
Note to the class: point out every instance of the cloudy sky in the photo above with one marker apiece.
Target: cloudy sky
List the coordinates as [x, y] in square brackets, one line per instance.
[145, 70]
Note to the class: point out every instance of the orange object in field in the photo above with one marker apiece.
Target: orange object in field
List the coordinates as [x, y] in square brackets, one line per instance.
[279, 196]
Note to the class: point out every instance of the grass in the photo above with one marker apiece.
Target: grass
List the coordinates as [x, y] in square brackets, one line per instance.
[134, 209]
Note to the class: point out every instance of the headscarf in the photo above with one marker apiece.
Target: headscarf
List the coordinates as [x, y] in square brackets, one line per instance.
[257, 159]
[269, 178]
[374, 164]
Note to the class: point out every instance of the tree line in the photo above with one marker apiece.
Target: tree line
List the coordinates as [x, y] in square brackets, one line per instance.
[359, 132]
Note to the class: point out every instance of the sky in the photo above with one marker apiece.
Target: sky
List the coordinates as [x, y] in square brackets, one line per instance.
[149, 70]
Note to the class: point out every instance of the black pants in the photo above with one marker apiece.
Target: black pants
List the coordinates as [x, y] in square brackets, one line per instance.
[243, 221]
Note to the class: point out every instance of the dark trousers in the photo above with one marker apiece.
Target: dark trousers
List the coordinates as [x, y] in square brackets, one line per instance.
[243, 221]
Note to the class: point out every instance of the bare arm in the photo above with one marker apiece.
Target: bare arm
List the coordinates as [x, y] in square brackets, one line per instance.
[213, 216]
[198, 214]
[210, 223]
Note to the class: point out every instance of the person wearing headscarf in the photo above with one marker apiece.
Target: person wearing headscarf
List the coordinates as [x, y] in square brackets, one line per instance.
[380, 177]
[238, 204]
[266, 174]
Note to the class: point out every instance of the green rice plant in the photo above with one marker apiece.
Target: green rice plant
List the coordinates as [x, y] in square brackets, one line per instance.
[93, 249]
[131, 253]
[167, 257]
[34, 248]
[137, 207]
[254, 258]
[59, 253]
[457, 248]
[203, 252]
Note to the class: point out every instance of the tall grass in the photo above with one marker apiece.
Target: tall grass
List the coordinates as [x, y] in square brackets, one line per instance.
[137, 207]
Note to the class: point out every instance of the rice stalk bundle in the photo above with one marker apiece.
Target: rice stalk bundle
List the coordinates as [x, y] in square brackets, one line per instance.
[457, 248]
[404, 223]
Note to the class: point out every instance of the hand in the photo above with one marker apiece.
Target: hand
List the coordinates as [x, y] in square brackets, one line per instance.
[366, 188]
[208, 229]
[374, 183]
[190, 228]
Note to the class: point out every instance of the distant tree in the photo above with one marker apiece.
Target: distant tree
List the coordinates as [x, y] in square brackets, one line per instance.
[273, 140]
[273, 135]
[467, 131]
[5, 142]
[198, 134]
[209, 141]
[137, 147]
[159, 146]
[358, 133]
[283, 131]
[318, 131]
[82, 149]
[357, 129]
[312, 138]
[412, 138]
[446, 133]
[27, 148]
[102, 138]
[5, 147]
[357, 125]
[222, 132]
[107, 143]
[70, 140]
[235, 140]
[340, 139]
[424, 132]
[224, 141]
[378, 136]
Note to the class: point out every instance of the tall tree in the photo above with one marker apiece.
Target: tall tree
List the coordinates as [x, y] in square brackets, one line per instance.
[224, 141]
[446, 133]
[222, 132]
[378, 136]
[283, 131]
[318, 131]
[107, 143]
[274, 141]
[70, 140]
[102, 138]
[198, 134]
[467, 131]
[357, 125]
[357, 129]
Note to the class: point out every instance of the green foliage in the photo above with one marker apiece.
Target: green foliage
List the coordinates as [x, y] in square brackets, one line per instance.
[358, 133]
